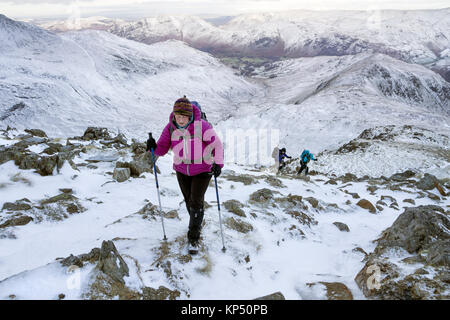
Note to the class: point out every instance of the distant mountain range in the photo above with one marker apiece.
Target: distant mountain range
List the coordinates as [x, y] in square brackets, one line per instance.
[419, 36]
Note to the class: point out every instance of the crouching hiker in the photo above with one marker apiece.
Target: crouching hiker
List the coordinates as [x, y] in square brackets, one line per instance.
[282, 154]
[198, 154]
[305, 157]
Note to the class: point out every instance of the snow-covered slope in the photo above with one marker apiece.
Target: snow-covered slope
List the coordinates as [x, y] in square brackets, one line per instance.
[66, 82]
[281, 233]
[324, 102]
[94, 23]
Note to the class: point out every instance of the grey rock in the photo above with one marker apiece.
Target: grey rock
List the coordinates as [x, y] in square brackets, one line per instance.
[416, 228]
[162, 293]
[342, 226]
[366, 204]
[402, 176]
[262, 195]
[111, 263]
[273, 296]
[95, 133]
[19, 220]
[121, 174]
[235, 207]
[19, 205]
[36, 132]
[238, 225]
[439, 253]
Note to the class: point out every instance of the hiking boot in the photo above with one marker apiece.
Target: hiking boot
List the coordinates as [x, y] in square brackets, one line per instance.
[193, 247]
[195, 224]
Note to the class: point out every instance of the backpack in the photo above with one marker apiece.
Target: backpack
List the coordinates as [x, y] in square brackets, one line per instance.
[195, 103]
[305, 156]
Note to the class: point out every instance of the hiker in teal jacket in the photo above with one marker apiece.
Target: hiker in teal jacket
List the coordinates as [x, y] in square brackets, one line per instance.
[305, 157]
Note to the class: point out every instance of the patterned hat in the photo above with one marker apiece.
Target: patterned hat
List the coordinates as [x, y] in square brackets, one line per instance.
[183, 107]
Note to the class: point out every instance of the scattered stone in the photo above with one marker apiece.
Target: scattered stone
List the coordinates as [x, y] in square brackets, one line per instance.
[111, 263]
[274, 182]
[262, 195]
[121, 174]
[19, 205]
[61, 296]
[234, 206]
[246, 179]
[331, 181]
[429, 182]
[366, 204]
[313, 202]
[273, 296]
[16, 221]
[337, 291]
[162, 293]
[72, 261]
[36, 132]
[238, 225]
[402, 176]
[342, 226]
[354, 195]
[95, 133]
[302, 217]
[409, 201]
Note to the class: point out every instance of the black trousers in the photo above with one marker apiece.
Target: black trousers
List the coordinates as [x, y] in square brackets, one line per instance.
[193, 189]
[304, 165]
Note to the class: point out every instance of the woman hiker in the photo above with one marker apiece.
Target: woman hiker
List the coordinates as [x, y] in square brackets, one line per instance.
[198, 153]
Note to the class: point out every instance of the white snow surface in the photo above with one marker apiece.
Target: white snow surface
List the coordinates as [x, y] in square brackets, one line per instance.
[280, 259]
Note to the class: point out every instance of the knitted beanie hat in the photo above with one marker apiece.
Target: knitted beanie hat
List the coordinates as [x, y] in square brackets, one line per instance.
[183, 107]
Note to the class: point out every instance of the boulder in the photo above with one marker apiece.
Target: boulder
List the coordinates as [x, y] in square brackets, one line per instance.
[19, 205]
[342, 226]
[121, 174]
[95, 133]
[18, 220]
[366, 204]
[402, 176]
[111, 263]
[416, 228]
[337, 291]
[429, 182]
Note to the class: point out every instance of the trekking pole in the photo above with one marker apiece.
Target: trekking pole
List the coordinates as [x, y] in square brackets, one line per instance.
[220, 216]
[157, 188]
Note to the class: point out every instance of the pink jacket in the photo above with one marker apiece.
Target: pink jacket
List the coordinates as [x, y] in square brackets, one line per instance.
[195, 148]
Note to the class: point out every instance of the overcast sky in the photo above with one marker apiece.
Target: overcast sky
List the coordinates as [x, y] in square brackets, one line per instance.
[145, 8]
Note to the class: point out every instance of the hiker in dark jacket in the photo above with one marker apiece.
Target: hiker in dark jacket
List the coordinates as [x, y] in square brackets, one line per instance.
[281, 155]
[305, 157]
[198, 154]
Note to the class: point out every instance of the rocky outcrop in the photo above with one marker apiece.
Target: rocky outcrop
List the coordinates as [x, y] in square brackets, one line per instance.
[423, 232]
[429, 182]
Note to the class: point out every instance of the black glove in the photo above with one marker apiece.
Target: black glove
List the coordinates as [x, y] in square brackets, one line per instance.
[216, 170]
[151, 144]
[315, 159]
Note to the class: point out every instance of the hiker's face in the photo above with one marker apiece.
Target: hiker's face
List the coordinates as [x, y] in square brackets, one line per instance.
[181, 120]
